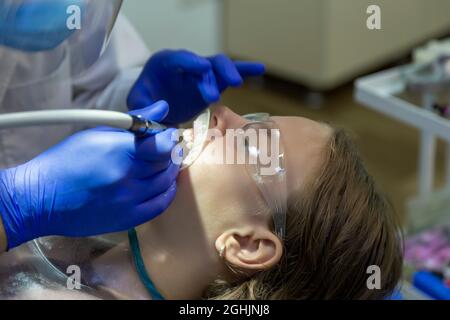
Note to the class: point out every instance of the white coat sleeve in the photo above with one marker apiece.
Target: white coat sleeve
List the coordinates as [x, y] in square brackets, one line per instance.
[107, 83]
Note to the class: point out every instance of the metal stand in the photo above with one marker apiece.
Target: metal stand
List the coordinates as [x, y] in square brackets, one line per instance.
[427, 157]
[379, 92]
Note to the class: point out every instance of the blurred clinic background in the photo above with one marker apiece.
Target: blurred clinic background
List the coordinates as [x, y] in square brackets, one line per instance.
[315, 51]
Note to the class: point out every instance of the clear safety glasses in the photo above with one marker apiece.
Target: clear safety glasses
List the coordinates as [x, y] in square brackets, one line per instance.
[258, 146]
[265, 164]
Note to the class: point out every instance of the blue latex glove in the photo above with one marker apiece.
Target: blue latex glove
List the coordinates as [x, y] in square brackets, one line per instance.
[35, 25]
[188, 82]
[97, 181]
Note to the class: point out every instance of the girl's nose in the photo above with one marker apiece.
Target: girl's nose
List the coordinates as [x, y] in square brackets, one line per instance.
[223, 118]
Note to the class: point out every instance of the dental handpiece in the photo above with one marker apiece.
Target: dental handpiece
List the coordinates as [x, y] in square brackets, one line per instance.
[92, 118]
[142, 127]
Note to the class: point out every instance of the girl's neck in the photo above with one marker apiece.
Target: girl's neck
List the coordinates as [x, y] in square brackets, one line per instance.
[179, 259]
[115, 274]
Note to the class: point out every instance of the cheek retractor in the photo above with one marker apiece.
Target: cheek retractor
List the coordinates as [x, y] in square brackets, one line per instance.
[194, 139]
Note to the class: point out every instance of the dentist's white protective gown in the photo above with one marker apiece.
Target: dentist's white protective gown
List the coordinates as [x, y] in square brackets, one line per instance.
[104, 86]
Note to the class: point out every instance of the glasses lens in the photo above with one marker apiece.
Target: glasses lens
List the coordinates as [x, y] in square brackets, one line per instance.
[265, 164]
[257, 117]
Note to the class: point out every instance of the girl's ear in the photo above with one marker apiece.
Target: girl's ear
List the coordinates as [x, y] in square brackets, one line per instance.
[250, 248]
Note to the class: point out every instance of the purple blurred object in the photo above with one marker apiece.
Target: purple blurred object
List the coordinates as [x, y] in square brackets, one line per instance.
[429, 250]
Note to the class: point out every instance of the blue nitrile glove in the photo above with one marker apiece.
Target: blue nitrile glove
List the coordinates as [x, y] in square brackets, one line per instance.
[97, 181]
[36, 25]
[188, 82]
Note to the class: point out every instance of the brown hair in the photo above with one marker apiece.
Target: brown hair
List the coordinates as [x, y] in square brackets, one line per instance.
[335, 231]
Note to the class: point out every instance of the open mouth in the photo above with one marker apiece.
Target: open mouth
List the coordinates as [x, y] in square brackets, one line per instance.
[194, 139]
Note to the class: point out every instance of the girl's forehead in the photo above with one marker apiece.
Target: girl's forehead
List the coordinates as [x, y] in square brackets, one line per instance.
[304, 143]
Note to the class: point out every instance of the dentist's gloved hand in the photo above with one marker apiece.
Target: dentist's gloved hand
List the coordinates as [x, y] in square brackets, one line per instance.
[36, 25]
[188, 82]
[97, 181]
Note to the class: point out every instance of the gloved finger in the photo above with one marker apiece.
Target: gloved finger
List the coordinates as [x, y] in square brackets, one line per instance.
[152, 208]
[155, 112]
[207, 85]
[226, 71]
[144, 169]
[139, 96]
[189, 62]
[250, 69]
[157, 147]
[145, 189]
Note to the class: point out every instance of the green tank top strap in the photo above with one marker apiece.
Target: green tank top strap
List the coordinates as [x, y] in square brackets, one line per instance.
[140, 266]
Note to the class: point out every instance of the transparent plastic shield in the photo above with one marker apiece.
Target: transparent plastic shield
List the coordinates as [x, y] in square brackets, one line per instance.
[57, 258]
[41, 270]
[40, 35]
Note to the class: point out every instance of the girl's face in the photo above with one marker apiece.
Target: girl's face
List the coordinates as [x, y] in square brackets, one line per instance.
[224, 195]
[216, 209]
